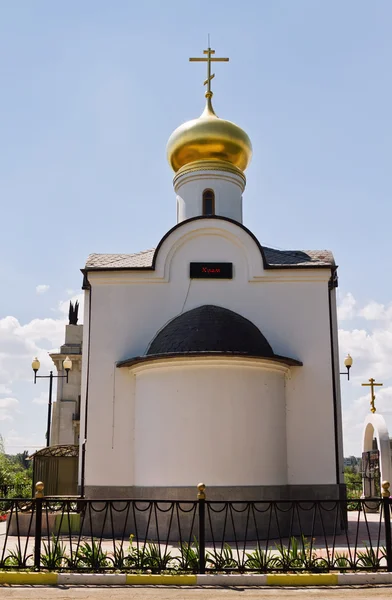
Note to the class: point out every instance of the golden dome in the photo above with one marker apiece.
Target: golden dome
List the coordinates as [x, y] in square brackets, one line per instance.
[209, 138]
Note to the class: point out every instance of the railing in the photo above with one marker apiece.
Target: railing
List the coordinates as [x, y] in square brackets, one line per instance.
[196, 536]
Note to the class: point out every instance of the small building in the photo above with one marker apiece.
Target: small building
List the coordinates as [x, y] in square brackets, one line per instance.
[211, 357]
[57, 467]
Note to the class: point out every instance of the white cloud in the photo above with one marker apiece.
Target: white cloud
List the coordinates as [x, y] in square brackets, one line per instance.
[14, 442]
[373, 311]
[41, 289]
[8, 402]
[346, 308]
[42, 329]
[370, 345]
[371, 351]
[20, 343]
[7, 407]
[376, 312]
[64, 305]
[41, 399]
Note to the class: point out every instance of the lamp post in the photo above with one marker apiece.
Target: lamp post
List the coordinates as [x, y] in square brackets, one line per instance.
[348, 363]
[67, 365]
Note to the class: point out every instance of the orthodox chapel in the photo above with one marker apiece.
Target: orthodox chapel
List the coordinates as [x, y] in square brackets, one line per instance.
[211, 357]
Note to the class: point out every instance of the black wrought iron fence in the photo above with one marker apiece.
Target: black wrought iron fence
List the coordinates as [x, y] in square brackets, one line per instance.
[196, 536]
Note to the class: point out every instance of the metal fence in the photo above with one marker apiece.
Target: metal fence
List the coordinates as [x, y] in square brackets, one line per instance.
[195, 536]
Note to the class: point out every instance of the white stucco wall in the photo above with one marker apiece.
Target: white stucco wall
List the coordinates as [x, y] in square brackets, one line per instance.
[216, 420]
[290, 307]
[337, 383]
[227, 187]
[85, 372]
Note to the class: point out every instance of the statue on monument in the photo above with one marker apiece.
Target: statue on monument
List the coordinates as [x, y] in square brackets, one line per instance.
[73, 312]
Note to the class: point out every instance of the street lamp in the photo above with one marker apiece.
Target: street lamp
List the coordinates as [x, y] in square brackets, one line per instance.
[348, 363]
[67, 366]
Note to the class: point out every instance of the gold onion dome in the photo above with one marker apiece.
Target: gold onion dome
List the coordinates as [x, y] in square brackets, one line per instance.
[211, 139]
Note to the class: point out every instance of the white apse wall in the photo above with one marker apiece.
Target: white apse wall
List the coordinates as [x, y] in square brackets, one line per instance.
[216, 420]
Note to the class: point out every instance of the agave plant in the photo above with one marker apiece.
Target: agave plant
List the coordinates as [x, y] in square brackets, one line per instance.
[383, 554]
[16, 558]
[369, 558]
[54, 555]
[189, 556]
[154, 559]
[260, 560]
[144, 557]
[298, 555]
[120, 558]
[91, 556]
[221, 560]
[342, 560]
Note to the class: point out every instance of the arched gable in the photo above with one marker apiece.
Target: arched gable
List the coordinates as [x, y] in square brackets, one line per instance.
[225, 238]
[178, 226]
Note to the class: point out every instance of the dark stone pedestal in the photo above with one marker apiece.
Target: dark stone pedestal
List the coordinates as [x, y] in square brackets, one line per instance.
[231, 513]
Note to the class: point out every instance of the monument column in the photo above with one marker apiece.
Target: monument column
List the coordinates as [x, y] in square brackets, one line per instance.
[66, 408]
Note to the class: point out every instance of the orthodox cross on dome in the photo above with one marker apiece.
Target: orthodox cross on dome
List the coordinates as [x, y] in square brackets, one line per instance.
[372, 383]
[209, 59]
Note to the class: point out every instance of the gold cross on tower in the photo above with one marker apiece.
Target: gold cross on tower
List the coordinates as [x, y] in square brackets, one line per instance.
[372, 383]
[209, 59]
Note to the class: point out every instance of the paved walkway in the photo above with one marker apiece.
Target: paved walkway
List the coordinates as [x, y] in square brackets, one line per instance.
[160, 593]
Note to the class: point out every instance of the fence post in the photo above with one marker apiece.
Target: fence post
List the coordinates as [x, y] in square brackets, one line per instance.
[387, 520]
[201, 496]
[39, 495]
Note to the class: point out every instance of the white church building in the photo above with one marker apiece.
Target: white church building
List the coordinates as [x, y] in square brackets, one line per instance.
[211, 357]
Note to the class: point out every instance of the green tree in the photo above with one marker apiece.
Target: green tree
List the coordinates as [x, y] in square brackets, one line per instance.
[15, 473]
[353, 481]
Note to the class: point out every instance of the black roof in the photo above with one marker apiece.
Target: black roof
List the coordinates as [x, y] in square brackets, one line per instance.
[59, 450]
[272, 258]
[210, 328]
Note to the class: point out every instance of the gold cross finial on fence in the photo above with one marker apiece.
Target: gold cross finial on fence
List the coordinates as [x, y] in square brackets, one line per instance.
[201, 491]
[372, 384]
[39, 489]
[209, 59]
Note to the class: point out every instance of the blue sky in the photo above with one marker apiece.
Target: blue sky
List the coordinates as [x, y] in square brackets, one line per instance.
[90, 94]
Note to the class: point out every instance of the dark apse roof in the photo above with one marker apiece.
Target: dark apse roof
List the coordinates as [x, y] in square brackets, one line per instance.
[206, 331]
[210, 328]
